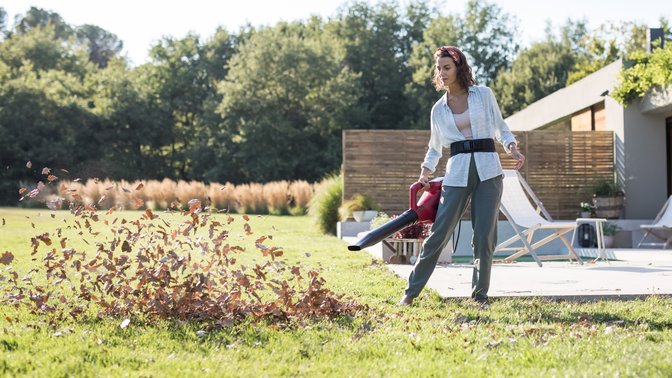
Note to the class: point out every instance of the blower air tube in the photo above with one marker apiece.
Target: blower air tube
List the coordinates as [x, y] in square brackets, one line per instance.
[406, 218]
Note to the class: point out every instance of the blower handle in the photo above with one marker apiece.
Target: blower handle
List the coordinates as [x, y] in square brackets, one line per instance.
[413, 195]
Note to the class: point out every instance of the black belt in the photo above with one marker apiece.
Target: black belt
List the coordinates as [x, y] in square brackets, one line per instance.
[472, 145]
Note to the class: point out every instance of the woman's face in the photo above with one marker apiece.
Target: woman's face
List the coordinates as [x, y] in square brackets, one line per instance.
[445, 66]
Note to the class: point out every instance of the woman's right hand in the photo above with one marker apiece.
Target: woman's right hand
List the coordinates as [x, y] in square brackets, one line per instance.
[424, 180]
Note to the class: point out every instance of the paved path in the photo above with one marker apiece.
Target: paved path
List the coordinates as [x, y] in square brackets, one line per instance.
[636, 273]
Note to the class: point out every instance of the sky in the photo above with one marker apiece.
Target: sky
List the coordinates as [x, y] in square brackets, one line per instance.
[142, 23]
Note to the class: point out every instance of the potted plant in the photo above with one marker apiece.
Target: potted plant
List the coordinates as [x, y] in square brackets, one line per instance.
[360, 206]
[586, 209]
[609, 230]
[608, 199]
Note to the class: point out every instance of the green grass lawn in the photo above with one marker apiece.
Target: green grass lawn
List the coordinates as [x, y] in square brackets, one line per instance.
[435, 337]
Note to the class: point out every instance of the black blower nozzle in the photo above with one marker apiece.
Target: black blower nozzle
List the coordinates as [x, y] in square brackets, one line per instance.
[406, 218]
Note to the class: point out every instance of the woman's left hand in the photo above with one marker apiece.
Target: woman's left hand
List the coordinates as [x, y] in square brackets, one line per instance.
[520, 158]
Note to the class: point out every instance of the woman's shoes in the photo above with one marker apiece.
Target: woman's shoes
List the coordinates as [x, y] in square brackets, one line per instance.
[405, 301]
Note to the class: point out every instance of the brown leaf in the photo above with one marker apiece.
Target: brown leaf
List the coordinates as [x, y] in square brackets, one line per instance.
[6, 258]
[140, 186]
[29, 164]
[3, 221]
[248, 229]
[22, 190]
[110, 187]
[51, 178]
[45, 171]
[40, 185]
[126, 190]
[138, 202]
[246, 217]
[102, 198]
[125, 246]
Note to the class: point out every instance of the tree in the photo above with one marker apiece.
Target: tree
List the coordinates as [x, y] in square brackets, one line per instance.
[535, 73]
[488, 38]
[101, 44]
[484, 33]
[3, 22]
[38, 17]
[286, 98]
[606, 44]
[377, 42]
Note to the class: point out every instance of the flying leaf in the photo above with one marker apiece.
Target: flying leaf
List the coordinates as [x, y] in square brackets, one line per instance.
[51, 178]
[110, 187]
[125, 323]
[194, 205]
[65, 171]
[45, 171]
[102, 198]
[140, 186]
[126, 190]
[246, 217]
[29, 164]
[55, 204]
[22, 190]
[138, 202]
[6, 258]
[40, 185]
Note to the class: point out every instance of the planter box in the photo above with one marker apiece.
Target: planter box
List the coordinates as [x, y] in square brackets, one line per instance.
[608, 207]
[364, 215]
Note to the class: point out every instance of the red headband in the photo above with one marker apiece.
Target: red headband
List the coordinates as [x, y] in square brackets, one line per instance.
[453, 52]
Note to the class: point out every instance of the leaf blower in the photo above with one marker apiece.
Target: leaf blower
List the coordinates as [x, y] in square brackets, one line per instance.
[423, 210]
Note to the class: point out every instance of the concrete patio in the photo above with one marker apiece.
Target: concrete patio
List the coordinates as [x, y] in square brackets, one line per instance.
[628, 273]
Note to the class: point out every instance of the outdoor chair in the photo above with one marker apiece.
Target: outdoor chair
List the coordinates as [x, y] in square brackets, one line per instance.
[526, 218]
[661, 228]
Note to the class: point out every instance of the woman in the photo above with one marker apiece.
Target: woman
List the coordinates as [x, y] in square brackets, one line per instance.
[466, 118]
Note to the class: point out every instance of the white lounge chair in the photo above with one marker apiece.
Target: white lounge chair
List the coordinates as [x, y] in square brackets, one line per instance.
[526, 218]
[661, 228]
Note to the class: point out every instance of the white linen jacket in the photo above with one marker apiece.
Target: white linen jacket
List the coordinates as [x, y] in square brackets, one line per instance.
[486, 122]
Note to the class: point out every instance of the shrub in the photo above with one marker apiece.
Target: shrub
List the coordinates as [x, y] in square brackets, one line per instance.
[277, 197]
[250, 199]
[356, 203]
[607, 189]
[223, 197]
[325, 203]
[300, 193]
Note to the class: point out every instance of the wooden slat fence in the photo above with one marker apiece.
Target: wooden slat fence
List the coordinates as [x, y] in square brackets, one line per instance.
[562, 166]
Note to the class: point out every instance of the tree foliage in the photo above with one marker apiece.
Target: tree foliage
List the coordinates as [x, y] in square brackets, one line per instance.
[647, 71]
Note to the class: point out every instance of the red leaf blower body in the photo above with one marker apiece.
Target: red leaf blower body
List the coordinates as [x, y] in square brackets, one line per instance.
[423, 210]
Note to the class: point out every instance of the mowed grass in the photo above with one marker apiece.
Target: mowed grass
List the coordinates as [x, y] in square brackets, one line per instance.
[435, 337]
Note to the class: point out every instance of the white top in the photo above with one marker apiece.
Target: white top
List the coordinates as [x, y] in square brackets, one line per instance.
[486, 122]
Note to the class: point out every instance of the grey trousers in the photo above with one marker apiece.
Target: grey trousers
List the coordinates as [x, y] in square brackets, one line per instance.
[485, 198]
